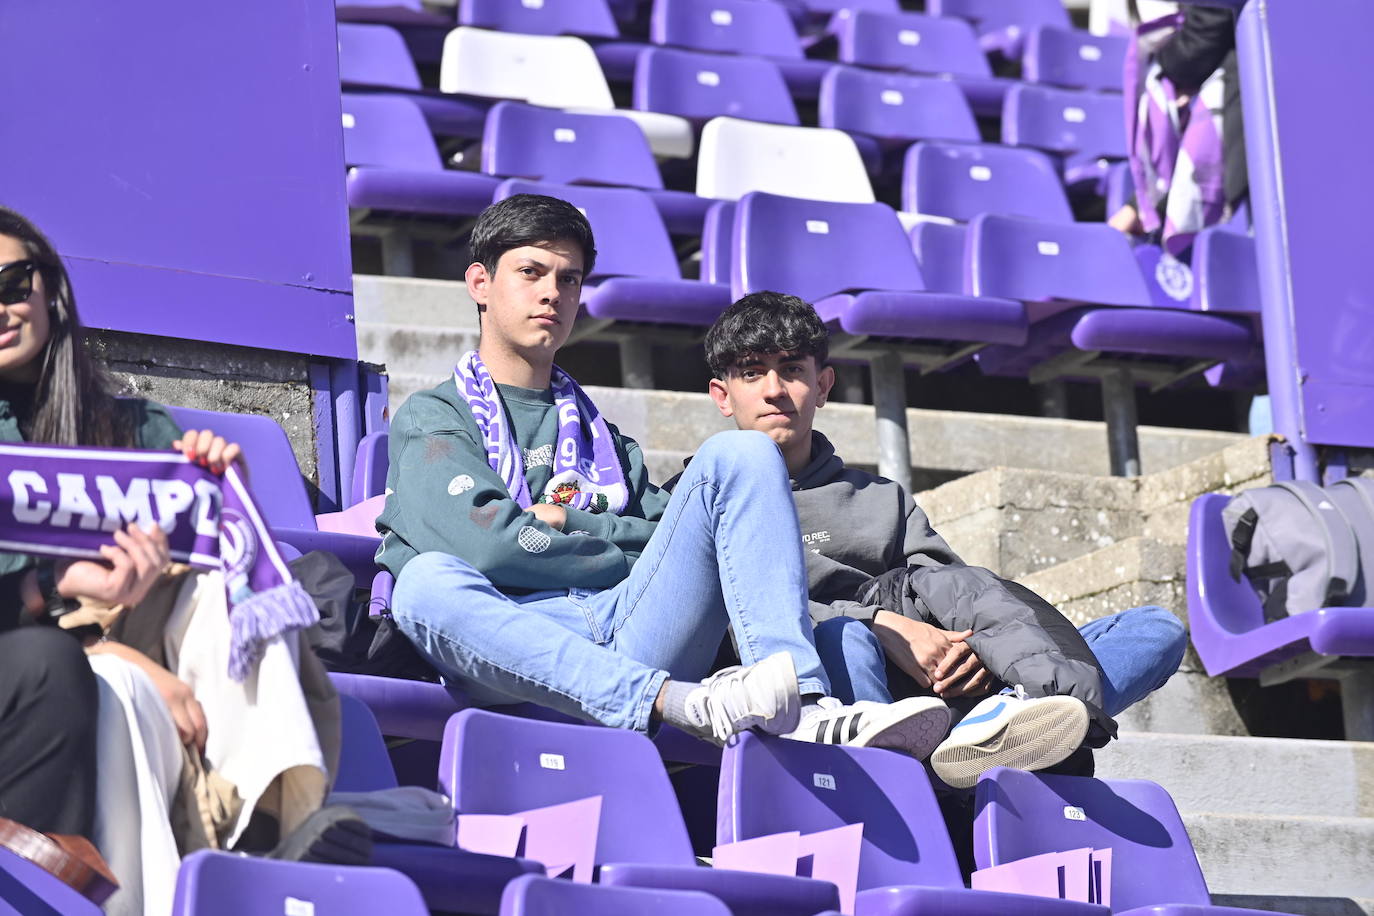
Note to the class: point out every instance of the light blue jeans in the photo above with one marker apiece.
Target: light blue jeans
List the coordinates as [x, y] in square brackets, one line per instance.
[727, 552]
[1139, 650]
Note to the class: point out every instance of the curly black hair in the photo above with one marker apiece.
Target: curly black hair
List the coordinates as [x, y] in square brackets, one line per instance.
[763, 323]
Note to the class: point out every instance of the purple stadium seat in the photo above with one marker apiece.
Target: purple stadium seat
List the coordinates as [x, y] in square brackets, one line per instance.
[394, 166]
[527, 141]
[894, 108]
[1002, 26]
[493, 764]
[738, 27]
[920, 44]
[375, 58]
[855, 264]
[1154, 868]
[907, 863]
[369, 467]
[392, 12]
[940, 252]
[1074, 58]
[1086, 128]
[535, 896]
[1225, 272]
[1043, 261]
[451, 879]
[278, 486]
[28, 890]
[700, 86]
[223, 884]
[1226, 620]
[961, 180]
[637, 278]
[588, 18]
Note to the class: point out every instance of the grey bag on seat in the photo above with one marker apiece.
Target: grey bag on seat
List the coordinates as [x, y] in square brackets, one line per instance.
[1354, 496]
[1295, 545]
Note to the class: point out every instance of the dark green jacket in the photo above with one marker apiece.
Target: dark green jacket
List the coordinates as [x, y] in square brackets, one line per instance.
[443, 496]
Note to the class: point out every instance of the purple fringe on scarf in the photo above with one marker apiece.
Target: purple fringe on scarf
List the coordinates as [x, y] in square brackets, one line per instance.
[67, 502]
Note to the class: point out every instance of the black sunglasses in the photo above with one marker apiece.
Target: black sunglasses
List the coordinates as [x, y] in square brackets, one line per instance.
[16, 282]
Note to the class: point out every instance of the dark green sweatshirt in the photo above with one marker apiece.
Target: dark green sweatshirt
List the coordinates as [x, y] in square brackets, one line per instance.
[442, 495]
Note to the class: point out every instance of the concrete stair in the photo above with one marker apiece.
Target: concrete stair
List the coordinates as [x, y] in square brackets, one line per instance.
[1277, 823]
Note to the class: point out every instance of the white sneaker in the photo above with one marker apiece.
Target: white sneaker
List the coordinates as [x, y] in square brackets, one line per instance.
[1010, 729]
[913, 726]
[762, 695]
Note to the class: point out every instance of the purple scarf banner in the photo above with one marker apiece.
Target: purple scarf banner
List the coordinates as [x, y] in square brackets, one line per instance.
[57, 501]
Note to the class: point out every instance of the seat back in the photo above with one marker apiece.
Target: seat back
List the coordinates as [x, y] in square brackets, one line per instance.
[773, 785]
[1036, 261]
[1074, 58]
[364, 765]
[1218, 605]
[375, 55]
[28, 889]
[524, 141]
[909, 41]
[557, 71]
[1024, 814]
[276, 481]
[1225, 272]
[961, 180]
[495, 764]
[535, 895]
[630, 236]
[736, 157]
[895, 106]
[830, 248]
[725, 26]
[703, 86]
[223, 884]
[1064, 121]
[387, 131]
[940, 252]
[589, 18]
[999, 14]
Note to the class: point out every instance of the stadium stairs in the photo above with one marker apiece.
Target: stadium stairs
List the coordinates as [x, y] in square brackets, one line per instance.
[1278, 822]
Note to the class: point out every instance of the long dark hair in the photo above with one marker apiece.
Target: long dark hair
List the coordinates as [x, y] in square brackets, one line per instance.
[73, 400]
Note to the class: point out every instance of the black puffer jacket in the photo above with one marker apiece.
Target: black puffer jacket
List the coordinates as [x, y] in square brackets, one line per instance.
[1020, 637]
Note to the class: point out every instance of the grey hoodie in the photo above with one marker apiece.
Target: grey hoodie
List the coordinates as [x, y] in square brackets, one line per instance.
[856, 526]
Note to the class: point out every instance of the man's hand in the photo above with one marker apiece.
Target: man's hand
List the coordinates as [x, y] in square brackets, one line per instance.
[916, 647]
[132, 566]
[548, 513]
[961, 673]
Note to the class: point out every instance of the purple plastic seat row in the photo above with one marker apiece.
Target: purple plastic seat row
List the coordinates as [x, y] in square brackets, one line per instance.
[918, 43]
[1086, 129]
[1003, 27]
[886, 111]
[906, 862]
[1074, 59]
[1154, 869]
[494, 764]
[536, 896]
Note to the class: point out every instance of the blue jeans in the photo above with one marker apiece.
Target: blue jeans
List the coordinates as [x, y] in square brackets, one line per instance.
[727, 552]
[1138, 650]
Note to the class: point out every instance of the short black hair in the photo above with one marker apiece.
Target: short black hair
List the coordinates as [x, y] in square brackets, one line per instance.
[530, 219]
[762, 323]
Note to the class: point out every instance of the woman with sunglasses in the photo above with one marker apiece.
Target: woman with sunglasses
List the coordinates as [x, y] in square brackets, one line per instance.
[51, 391]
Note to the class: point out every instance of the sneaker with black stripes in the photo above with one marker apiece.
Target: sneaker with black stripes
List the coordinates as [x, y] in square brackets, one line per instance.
[912, 726]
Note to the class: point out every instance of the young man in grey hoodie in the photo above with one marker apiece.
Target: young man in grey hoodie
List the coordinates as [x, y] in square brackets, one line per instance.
[768, 353]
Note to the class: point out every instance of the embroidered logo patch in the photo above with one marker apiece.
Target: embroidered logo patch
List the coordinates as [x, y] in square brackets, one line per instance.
[1174, 277]
[460, 484]
[532, 540]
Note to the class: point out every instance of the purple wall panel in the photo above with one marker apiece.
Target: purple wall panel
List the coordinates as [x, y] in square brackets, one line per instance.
[1306, 84]
[202, 139]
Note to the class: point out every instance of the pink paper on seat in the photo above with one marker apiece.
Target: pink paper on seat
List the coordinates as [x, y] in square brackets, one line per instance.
[561, 837]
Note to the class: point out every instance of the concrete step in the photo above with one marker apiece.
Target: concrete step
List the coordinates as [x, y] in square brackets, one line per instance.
[418, 349]
[1289, 855]
[442, 304]
[1249, 776]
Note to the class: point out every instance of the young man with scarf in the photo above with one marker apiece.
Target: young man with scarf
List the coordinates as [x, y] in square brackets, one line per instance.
[896, 611]
[535, 562]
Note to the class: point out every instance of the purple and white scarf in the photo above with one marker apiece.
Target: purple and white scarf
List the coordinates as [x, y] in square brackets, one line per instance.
[1175, 153]
[586, 468]
[63, 502]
